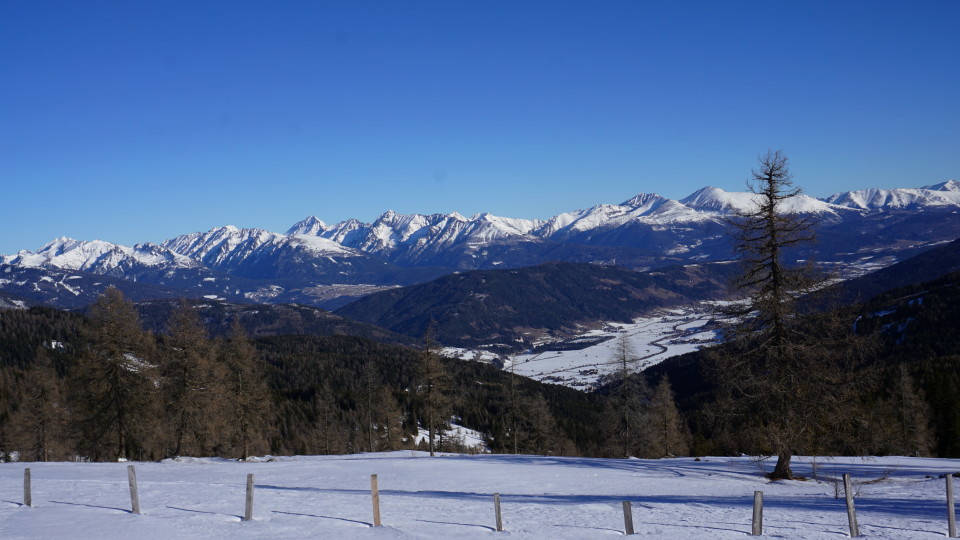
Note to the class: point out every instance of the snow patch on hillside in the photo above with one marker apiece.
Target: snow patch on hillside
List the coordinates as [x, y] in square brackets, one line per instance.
[468, 438]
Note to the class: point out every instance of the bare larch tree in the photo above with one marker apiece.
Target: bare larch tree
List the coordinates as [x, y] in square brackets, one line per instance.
[790, 379]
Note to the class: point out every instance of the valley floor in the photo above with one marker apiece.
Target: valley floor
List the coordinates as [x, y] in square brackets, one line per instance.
[452, 497]
[651, 340]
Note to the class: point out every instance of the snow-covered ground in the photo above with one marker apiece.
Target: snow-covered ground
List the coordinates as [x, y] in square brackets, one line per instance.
[651, 340]
[452, 497]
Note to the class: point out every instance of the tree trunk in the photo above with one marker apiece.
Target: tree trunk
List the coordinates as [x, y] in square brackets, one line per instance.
[430, 431]
[782, 470]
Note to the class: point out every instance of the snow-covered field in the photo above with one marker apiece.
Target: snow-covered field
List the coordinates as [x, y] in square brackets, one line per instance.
[651, 340]
[452, 497]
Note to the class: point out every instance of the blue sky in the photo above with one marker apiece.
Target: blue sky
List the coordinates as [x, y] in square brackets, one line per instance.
[139, 121]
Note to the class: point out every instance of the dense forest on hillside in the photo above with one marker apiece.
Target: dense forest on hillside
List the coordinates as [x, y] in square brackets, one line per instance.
[330, 394]
[316, 375]
[340, 393]
[267, 320]
[502, 307]
[914, 407]
[929, 265]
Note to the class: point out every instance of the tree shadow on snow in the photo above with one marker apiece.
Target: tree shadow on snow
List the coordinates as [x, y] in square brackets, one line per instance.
[892, 506]
[743, 467]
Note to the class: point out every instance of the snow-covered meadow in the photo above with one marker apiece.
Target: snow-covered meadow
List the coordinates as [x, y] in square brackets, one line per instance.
[452, 497]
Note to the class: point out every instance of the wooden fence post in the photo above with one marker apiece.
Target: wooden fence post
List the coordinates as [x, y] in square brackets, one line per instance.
[248, 511]
[851, 511]
[951, 513]
[627, 518]
[496, 510]
[376, 500]
[134, 498]
[27, 493]
[757, 513]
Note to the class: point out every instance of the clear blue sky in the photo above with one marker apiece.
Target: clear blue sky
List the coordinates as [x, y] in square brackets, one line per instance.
[138, 121]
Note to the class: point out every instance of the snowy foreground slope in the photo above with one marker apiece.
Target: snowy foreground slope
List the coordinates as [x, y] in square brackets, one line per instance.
[452, 497]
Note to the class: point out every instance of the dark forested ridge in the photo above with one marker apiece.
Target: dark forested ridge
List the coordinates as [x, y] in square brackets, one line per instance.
[267, 320]
[928, 265]
[505, 306]
[919, 325]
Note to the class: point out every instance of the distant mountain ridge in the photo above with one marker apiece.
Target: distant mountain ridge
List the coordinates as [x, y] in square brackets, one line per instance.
[687, 227]
[327, 265]
[98, 257]
[417, 233]
[944, 194]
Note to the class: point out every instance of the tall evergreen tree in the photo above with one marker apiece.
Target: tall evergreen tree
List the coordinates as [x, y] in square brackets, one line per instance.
[513, 409]
[39, 425]
[792, 380]
[541, 433]
[192, 384]
[434, 383]
[388, 420]
[114, 384]
[247, 390]
[671, 437]
[913, 435]
[627, 428]
[328, 427]
[368, 408]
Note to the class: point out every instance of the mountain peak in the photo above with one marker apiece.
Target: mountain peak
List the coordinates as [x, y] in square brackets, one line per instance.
[58, 243]
[714, 199]
[310, 225]
[641, 199]
[949, 185]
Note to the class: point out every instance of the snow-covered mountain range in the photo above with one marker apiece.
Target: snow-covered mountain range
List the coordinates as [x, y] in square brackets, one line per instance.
[416, 234]
[945, 195]
[644, 231]
[98, 257]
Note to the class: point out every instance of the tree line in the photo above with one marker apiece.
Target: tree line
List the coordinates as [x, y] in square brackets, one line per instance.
[100, 387]
[111, 391]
